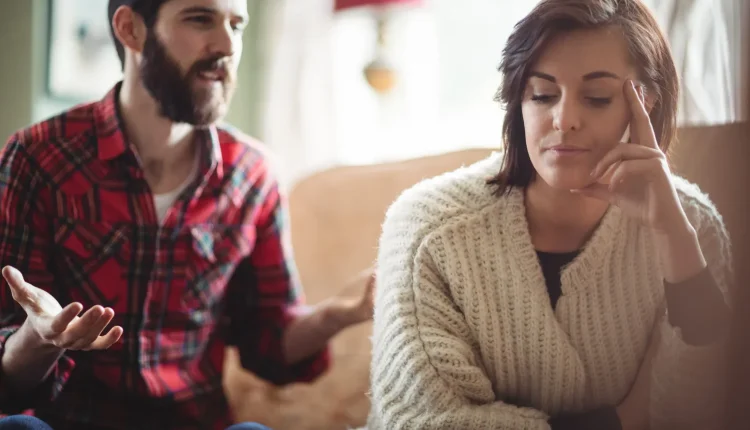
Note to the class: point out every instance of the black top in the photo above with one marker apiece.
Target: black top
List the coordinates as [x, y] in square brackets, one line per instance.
[552, 264]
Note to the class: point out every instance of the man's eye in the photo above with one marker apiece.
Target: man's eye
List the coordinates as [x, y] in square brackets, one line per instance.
[239, 27]
[200, 19]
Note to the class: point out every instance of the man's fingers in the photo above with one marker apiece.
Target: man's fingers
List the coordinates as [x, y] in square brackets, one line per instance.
[79, 328]
[61, 321]
[109, 339]
[94, 330]
[370, 285]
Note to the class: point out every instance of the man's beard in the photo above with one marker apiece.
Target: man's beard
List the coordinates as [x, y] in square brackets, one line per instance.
[177, 99]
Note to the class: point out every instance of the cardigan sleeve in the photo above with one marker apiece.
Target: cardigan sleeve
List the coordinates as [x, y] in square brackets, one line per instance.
[688, 379]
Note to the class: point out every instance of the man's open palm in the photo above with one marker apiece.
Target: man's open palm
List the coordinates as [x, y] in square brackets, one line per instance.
[58, 326]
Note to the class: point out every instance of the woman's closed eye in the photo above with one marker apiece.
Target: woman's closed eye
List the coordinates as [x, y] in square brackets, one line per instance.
[543, 98]
[599, 101]
[549, 98]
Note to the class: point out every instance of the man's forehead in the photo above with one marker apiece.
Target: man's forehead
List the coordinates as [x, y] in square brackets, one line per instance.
[233, 7]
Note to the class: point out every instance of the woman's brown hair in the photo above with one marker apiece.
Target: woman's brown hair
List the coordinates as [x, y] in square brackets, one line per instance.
[648, 49]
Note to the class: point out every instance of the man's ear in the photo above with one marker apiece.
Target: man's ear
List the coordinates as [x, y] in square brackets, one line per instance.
[129, 28]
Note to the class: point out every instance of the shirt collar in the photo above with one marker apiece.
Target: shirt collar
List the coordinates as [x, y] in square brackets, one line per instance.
[111, 141]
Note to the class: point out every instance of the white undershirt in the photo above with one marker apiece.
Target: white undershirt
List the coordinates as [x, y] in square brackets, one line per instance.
[164, 201]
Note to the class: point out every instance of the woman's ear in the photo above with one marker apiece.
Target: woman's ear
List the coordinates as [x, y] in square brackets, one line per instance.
[129, 28]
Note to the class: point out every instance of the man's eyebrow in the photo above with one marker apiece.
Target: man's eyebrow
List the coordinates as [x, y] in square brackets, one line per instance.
[203, 9]
[198, 9]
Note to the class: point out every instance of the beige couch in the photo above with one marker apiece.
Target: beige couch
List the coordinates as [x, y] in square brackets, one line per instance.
[335, 221]
[336, 217]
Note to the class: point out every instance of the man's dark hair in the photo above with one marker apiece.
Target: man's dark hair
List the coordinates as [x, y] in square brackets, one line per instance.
[147, 9]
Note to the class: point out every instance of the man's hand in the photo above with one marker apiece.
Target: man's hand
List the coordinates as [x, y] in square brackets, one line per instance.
[61, 328]
[310, 332]
[354, 304]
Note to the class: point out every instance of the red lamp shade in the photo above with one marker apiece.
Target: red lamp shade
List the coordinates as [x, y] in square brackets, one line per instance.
[347, 4]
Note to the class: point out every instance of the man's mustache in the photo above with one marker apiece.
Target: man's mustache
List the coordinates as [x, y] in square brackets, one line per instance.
[210, 64]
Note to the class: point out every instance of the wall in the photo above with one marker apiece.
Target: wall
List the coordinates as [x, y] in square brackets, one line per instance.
[16, 80]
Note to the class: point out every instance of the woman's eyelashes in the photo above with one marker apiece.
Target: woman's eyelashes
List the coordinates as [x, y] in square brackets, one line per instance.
[542, 98]
[551, 98]
[599, 101]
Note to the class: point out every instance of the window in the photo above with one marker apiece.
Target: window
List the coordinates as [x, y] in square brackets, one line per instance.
[446, 55]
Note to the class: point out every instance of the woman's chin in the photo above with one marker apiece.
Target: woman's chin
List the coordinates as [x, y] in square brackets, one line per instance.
[569, 182]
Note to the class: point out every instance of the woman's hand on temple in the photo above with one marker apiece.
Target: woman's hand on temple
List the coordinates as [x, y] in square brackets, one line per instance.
[640, 183]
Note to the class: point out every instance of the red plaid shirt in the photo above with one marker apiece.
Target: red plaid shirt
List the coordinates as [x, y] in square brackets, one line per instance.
[77, 218]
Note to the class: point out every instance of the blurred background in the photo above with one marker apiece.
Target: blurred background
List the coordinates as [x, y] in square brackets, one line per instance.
[365, 98]
[303, 84]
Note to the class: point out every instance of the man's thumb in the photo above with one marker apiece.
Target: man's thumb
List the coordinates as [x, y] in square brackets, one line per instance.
[15, 280]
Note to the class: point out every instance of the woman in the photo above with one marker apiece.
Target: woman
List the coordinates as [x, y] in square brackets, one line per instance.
[583, 285]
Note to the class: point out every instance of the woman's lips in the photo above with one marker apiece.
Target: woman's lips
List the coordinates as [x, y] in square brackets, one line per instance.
[567, 150]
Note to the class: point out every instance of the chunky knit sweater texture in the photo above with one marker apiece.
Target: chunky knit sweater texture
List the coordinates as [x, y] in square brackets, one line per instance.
[465, 337]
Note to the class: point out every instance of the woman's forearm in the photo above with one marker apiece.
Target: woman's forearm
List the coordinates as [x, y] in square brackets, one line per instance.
[680, 253]
[695, 303]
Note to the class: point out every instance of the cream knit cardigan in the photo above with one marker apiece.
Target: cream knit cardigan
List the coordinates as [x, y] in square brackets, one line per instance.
[463, 320]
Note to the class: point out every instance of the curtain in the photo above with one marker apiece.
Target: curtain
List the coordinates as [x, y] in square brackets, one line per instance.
[296, 122]
[708, 40]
